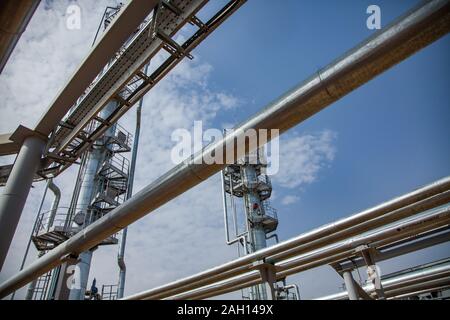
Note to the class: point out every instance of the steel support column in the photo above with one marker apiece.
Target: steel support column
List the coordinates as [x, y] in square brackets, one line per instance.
[350, 285]
[16, 190]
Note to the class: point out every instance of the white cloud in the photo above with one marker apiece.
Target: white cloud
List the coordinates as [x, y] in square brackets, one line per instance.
[302, 157]
[289, 199]
[182, 237]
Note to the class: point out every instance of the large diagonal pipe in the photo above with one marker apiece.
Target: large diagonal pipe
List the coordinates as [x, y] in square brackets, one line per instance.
[407, 35]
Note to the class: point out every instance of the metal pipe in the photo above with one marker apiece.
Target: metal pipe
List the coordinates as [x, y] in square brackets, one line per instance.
[304, 262]
[416, 277]
[238, 266]
[57, 193]
[405, 36]
[297, 290]
[428, 220]
[25, 256]
[405, 249]
[15, 193]
[123, 240]
[14, 19]
[239, 238]
[126, 22]
[350, 285]
[415, 293]
[395, 215]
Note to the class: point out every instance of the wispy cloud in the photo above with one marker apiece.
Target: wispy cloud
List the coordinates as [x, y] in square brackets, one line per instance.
[289, 199]
[303, 156]
[184, 236]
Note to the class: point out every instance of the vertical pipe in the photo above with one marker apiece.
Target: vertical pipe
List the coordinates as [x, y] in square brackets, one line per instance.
[15, 193]
[225, 209]
[123, 241]
[55, 204]
[350, 285]
[32, 286]
[81, 276]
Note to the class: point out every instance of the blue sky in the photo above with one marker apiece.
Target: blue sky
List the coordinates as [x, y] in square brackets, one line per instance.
[393, 132]
[385, 139]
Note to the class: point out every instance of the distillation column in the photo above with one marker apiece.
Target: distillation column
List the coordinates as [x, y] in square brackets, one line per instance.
[247, 180]
[89, 184]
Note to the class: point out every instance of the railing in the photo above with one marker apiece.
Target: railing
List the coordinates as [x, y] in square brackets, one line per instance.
[50, 219]
[269, 210]
[109, 292]
[119, 162]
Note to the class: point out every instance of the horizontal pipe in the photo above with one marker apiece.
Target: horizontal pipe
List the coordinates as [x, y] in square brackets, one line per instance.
[369, 224]
[412, 32]
[422, 291]
[415, 277]
[402, 250]
[244, 264]
[430, 220]
[315, 258]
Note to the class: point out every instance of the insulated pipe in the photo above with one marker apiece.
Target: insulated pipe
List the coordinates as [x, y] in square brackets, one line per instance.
[407, 35]
[123, 240]
[415, 293]
[241, 265]
[405, 249]
[15, 193]
[36, 222]
[14, 18]
[396, 215]
[309, 260]
[416, 277]
[57, 193]
[306, 261]
[429, 220]
[350, 285]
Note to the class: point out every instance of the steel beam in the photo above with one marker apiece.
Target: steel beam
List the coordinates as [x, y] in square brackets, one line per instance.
[16, 191]
[14, 19]
[127, 21]
[407, 35]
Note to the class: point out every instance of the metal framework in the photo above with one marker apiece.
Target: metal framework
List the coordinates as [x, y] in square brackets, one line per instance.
[14, 18]
[402, 284]
[407, 35]
[293, 256]
[125, 81]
